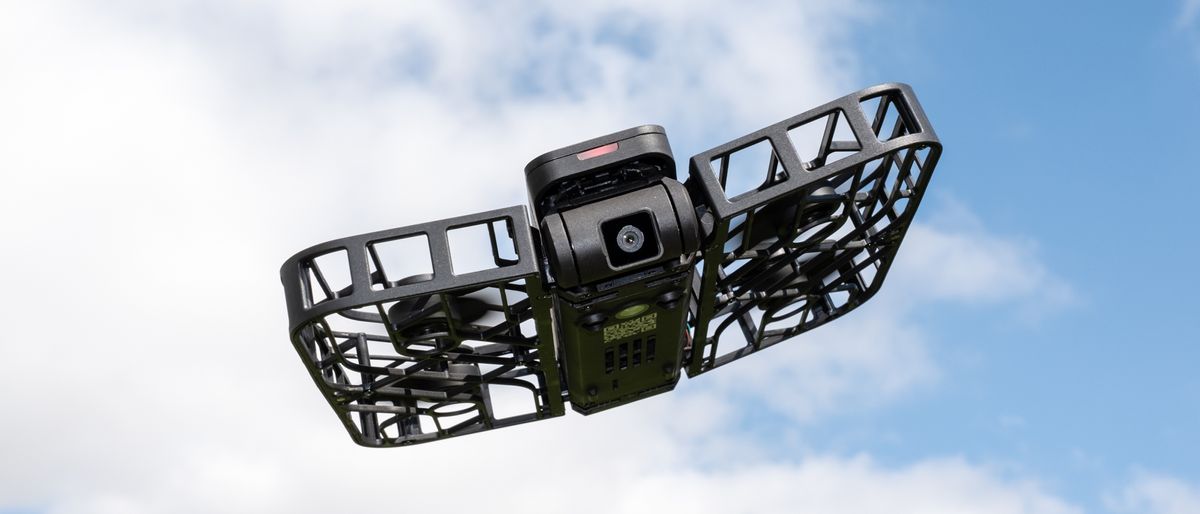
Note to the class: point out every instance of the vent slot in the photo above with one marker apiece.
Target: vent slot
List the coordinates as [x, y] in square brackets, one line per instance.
[623, 353]
[650, 347]
[637, 352]
[608, 360]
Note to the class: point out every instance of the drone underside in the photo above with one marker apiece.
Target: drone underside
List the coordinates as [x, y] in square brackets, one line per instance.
[624, 277]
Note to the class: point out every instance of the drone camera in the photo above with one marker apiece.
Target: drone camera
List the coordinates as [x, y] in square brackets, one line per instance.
[618, 231]
[630, 239]
[610, 204]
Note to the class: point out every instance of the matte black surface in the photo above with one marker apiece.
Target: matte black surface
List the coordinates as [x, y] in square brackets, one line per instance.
[562, 179]
[631, 277]
[833, 229]
[610, 360]
[581, 253]
[401, 361]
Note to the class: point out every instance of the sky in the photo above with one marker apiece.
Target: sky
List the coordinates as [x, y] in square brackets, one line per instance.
[1033, 350]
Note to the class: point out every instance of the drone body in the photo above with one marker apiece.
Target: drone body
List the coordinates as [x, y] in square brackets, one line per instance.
[625, 277]
[620, 235]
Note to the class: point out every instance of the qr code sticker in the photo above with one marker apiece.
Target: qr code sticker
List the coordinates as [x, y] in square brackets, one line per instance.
[632, 327]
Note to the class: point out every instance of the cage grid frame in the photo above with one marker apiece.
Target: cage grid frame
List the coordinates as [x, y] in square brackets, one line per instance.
[406, 358]
[440, 382]
[854, 253]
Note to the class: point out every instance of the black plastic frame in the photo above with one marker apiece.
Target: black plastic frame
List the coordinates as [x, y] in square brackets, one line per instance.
[417, 356]
[768, 291]
[381, 383]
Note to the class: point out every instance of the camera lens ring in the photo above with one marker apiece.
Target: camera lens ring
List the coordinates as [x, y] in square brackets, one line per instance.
[630, 239]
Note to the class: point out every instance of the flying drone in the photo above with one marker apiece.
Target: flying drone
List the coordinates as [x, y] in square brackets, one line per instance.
[625, 276]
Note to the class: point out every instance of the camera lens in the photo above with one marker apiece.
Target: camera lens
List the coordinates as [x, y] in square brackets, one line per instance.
[630, 239]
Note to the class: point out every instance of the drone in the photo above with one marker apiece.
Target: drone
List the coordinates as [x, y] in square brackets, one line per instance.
[624, 278]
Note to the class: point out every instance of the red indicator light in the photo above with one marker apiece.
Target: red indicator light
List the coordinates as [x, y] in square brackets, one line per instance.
[596, 152]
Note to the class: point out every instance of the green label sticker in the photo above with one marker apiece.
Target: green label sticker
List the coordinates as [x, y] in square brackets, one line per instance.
[632, 327]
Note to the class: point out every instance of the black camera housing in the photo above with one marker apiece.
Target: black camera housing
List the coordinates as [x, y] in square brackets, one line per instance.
[619, 234]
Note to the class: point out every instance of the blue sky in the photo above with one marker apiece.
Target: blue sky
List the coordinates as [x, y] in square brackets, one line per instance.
[1032, 352]
[1071, 125]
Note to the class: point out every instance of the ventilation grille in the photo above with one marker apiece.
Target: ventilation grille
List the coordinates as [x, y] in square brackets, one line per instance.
[629, 354]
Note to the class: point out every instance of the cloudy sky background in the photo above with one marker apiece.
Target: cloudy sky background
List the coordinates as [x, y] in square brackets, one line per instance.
[1033, 352]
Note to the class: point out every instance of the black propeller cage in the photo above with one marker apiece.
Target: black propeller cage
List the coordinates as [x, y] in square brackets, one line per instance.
[390, 387]
[402, 359]
[814, 269]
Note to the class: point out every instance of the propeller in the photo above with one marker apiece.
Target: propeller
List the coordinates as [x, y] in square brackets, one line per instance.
[422, 325]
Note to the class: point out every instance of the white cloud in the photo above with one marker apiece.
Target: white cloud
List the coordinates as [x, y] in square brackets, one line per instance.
[853, 485]
[844, 485]
[950, 256]
[871, 356]
[1154, 493]
[1188, 10]
[1185, 24]
[161, 159]
[876, 354]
